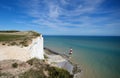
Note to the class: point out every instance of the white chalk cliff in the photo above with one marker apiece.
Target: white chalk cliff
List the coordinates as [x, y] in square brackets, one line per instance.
[36, 48]
[33, 50]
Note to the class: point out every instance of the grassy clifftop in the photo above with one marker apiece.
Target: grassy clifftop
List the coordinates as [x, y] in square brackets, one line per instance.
[17, 37]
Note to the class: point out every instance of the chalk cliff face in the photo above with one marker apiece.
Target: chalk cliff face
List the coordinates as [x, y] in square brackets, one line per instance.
[33, 50]
[36, 48]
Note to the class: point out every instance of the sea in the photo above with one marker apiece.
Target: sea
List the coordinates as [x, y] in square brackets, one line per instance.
[98, 56]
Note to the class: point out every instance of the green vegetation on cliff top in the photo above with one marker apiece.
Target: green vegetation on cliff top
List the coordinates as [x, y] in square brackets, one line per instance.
[17, 37]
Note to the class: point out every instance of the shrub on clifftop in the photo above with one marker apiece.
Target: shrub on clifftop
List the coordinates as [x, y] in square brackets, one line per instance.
[14, 65]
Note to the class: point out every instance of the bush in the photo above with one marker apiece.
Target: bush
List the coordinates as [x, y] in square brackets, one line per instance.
[14, 65]
[24, 43]
[55, 72]
[3, 43]
[13, 43]
[35, 61]
[45, 57]
[31, 61]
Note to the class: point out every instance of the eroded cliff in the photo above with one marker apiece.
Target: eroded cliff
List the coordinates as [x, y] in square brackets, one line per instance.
[21, 45]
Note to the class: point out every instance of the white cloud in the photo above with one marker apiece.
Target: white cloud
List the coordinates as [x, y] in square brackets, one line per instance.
[49, 15]
[53, 11]
[55, 8]
[86, 6]
[64, 2]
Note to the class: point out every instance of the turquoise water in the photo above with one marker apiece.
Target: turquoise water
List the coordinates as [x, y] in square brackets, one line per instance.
[99, 56]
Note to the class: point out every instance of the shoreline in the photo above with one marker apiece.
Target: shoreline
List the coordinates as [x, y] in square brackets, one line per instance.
[63, 61]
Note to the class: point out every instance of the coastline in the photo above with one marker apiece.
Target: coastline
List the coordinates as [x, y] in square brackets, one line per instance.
[63, 61]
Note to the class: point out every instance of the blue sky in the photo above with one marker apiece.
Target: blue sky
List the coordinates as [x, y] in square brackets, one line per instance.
[62, 17]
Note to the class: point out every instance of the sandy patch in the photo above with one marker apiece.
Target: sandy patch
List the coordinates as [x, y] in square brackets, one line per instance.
[14, 52]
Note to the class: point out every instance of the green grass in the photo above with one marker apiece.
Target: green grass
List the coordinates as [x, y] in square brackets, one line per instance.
[34, 61]
[46, 57]
[32, 74]
[5, 37]
[55, 72]
[35, 33]
[11, 36]
[5, 75]
[9, 31]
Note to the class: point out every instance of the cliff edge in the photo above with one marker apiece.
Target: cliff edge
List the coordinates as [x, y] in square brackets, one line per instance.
[21, 45]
